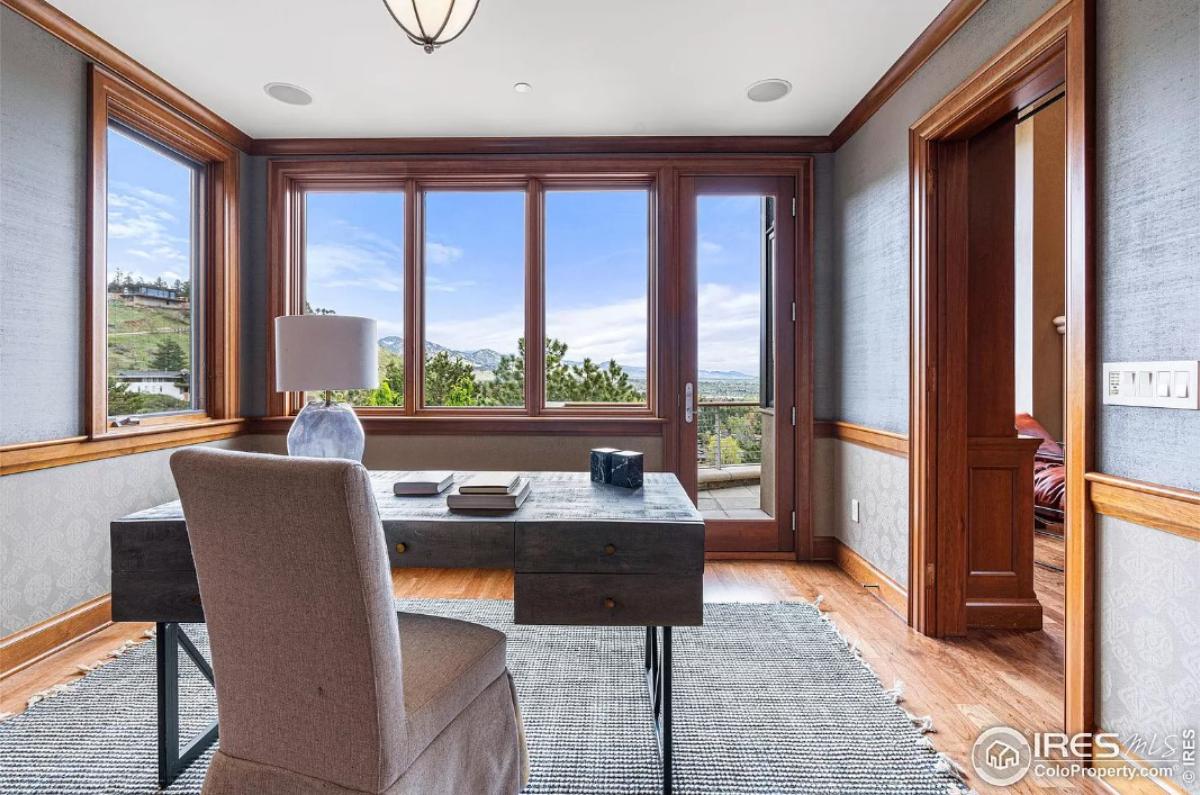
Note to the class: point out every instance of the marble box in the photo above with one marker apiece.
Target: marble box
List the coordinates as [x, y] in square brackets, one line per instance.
[627, 469]
[601, 464]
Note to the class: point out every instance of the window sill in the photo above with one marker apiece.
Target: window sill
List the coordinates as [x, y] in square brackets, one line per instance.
[32, 456]
[494, 424]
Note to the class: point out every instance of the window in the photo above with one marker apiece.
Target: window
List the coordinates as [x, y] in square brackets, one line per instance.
[461, 269]
[597, 296]
[474, 283]
[153, 246]
[354, 265]
[163, 272]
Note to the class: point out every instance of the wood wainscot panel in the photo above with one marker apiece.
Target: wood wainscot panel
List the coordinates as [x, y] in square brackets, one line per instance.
[1000, 533]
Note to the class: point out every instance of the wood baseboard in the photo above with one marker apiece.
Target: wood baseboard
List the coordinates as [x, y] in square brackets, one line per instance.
[823, 547]
[722, 555]
[1004, 614]
[867, 575]
[1124, 775]
[21, 649]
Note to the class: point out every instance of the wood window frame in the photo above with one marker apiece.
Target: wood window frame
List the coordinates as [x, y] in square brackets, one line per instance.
[112, 100]
[289, 181]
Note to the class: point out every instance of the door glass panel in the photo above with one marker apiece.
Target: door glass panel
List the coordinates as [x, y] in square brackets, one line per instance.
[735, 357]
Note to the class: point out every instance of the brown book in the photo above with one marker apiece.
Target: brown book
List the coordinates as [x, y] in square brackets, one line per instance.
[412, 484]
[490, 483]
[457, 501]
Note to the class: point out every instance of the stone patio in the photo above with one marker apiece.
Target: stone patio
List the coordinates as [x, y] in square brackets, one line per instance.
[734, 502]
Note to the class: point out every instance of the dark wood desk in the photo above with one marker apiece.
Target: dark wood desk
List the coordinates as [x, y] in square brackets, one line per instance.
[582, 553]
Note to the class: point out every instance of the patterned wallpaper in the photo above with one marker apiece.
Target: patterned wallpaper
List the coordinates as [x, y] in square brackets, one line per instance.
[844, 471]
[1149, 622]
[54, 548]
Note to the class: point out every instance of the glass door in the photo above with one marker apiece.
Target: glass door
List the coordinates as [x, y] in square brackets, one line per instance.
[737, 434]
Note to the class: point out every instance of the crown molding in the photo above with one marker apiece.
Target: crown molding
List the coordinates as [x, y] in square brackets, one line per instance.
[944, 25]
[67, 30]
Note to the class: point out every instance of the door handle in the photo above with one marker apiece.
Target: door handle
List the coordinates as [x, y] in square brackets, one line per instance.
[689, 402]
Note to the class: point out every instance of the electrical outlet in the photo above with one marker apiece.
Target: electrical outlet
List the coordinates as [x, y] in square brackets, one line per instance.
[854, 510]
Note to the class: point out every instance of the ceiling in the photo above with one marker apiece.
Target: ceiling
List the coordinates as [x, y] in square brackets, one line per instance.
[597, 67]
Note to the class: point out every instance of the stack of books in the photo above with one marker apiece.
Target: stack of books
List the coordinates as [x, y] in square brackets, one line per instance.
[489, 491]
[424, 483]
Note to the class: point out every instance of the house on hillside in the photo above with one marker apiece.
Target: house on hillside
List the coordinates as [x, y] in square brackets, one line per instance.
[150, 295]
[156, 382]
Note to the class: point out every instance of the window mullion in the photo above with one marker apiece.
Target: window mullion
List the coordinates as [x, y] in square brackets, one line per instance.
[414, 314]
[535, 305]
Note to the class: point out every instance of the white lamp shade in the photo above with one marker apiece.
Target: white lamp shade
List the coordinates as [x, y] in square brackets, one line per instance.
[318, 352]
[432, 21]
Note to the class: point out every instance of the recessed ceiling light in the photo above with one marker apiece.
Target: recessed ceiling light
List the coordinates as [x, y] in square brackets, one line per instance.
[768, 90]
[522, 88]
[288, 93]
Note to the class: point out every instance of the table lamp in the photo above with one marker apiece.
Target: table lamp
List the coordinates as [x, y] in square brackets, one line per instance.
[315, 353]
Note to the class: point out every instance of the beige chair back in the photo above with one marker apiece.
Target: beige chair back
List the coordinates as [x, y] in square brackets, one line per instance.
[293, 573]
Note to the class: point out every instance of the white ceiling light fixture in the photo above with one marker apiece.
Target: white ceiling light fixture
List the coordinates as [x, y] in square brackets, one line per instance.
[288, 93]
[432, 23]
[769, 90]
[522, 88]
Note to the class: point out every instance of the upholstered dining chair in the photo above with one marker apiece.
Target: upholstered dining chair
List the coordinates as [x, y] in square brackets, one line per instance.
[321, 686]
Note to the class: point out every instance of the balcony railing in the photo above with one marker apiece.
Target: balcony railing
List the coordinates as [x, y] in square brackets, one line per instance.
[728, 434]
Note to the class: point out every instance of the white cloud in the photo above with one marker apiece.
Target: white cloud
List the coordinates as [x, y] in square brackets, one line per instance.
[141, 242]
[435, 285]
[441, 253]
[728, 328]
[365, 264]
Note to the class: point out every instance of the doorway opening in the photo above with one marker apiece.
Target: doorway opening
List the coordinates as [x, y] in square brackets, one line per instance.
[972, 469]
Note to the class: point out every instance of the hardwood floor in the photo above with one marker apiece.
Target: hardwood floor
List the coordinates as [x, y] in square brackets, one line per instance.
[966, 684]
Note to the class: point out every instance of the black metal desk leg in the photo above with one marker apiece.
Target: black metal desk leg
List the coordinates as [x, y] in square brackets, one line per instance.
[171, 760]
[658, 681]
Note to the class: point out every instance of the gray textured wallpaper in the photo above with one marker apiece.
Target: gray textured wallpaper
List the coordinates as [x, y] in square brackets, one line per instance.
[1148, 240]
[1148, 683]
[254, 286]
[43, 92]
[869, 292]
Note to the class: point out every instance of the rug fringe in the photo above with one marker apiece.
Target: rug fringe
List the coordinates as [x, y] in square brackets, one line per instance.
[81, 670]
[924, 724]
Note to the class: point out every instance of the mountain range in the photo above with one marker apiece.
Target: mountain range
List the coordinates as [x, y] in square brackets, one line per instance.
[486, 360]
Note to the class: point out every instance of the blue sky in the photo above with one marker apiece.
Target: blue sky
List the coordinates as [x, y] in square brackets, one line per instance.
[596, 270]
[149, 211]
[596, 260]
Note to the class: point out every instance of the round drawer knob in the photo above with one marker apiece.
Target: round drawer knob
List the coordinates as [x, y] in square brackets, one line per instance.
[609, 549]
[402, 547]
[610, 603]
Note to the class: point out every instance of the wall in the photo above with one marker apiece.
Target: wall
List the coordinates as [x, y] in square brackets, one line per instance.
[1040, 261]
[43, 90]
[1148, 236]
[54, 549]
[863, 294]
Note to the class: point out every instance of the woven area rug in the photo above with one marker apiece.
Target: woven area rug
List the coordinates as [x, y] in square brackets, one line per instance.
[768, 699]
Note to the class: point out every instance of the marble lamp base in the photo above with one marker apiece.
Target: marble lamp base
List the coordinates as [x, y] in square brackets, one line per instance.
[326, 430]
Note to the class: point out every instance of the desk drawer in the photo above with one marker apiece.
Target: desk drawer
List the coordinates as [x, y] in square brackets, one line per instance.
[610, 547]
[449, 545]
[610, 599]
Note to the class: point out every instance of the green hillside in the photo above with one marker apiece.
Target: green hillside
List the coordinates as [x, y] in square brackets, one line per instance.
[136, 332]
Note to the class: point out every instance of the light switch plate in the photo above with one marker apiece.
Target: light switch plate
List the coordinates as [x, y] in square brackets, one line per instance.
[854, 510]
[1165, 385]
